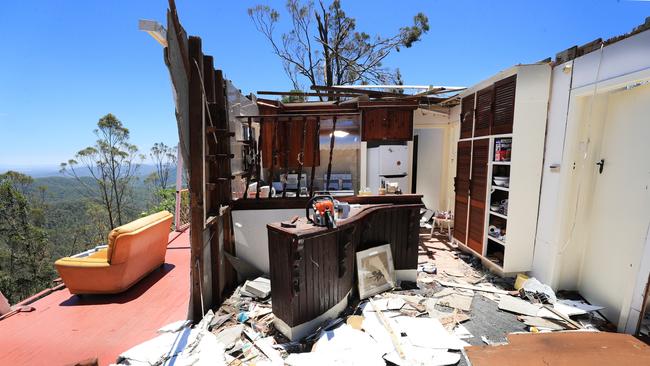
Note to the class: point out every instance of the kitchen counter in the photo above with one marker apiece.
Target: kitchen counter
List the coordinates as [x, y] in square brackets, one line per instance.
[312, 268]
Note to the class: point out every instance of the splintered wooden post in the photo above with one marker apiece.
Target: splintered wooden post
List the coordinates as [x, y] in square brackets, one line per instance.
[286, 158]
[248, 171]
[223, 147]
[258, 153]
[316, 150]
[274, 124]
[301, 155]
[329, 164]
[196, 106]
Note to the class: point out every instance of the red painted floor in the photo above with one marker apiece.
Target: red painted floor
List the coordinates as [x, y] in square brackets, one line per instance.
[66, 328]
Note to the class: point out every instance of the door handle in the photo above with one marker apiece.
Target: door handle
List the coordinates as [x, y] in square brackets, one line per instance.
[600, 164]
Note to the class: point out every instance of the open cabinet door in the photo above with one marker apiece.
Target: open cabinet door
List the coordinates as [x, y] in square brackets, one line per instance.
[461, 183]
[478, 191]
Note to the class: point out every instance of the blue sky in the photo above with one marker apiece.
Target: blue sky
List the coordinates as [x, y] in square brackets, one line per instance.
[64, 64]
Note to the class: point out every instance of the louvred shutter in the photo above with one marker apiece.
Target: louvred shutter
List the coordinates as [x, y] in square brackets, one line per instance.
[504, 105]
[484, 111]
[467, 117]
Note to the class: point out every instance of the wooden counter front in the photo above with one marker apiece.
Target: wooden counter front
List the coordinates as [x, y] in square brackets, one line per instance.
[313, 268]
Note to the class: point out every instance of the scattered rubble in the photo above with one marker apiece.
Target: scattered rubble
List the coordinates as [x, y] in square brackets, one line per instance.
[412, 324]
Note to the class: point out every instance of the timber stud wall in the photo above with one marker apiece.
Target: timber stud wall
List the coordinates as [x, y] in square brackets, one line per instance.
[211, 227]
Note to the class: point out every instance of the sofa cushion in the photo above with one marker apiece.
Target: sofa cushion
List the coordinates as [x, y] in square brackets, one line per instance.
[134, 226]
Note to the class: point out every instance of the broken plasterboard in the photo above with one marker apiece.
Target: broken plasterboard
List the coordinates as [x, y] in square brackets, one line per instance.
[573, 307]
[472, 287]
[456, 301]
[423, 356]
[518, 306]
[537, 322]
[429, 333]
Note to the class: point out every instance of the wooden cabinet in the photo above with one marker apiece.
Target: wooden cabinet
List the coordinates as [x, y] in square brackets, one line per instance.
[504, 105]
[461, 186]
[289, 136]
[312, 269]
[478, 185]
[383, 123]
[484, 111]
[499, 162]
[467, 117]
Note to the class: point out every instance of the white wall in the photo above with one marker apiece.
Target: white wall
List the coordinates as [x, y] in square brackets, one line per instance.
[437, 166]
[251, 237]
[546, 240]
[430, 161]
[573, 138]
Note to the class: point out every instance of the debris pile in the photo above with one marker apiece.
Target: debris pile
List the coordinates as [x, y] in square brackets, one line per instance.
[454, 304]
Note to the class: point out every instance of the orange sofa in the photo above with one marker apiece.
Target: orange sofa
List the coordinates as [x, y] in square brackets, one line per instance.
[134, 250]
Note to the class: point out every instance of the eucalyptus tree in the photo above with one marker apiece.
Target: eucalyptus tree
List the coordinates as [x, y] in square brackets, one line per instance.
[324, 47]
[107, 170]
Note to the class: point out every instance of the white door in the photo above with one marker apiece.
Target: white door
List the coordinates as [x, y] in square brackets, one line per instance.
[620, 213]
[393, 160]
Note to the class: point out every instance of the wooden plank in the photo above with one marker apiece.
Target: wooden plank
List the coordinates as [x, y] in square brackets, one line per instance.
[329, 164]
[224, 167]
[563, 348]
[274, 152]
[296, 115]
[212, 173]
[248, 175]
[197, 215]
[286, 161]
[308, 94]
[258, 161]
[316, 150]
[301, 156]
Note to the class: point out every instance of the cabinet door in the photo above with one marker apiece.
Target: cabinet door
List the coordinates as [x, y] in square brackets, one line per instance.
[400, 124]
[467, 117]
[288, 142]
[478, 193]
[504, 105]
[461, 186]
[374, 124]
[387, 124]
[484, 111]
[295, 143]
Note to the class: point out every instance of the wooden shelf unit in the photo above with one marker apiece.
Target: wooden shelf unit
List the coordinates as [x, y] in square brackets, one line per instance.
[511, 105]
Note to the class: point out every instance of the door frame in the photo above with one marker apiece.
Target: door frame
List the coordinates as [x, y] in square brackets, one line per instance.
[572, 177]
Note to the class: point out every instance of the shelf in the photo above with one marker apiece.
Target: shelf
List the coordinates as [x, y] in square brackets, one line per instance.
[496, 240]
[505, 189]
[500, 162]
[498, 214]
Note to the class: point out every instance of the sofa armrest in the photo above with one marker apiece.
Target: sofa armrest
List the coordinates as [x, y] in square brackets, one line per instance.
[85, 262]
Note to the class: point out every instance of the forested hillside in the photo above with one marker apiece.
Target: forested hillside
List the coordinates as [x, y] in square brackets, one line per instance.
[102, 187]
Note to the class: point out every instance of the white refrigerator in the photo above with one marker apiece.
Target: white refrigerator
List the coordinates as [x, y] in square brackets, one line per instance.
[388, 163]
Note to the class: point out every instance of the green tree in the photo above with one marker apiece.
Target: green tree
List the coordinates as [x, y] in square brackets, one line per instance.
[25, 262]
[112, 163]
[324, 47]
[164, 159]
